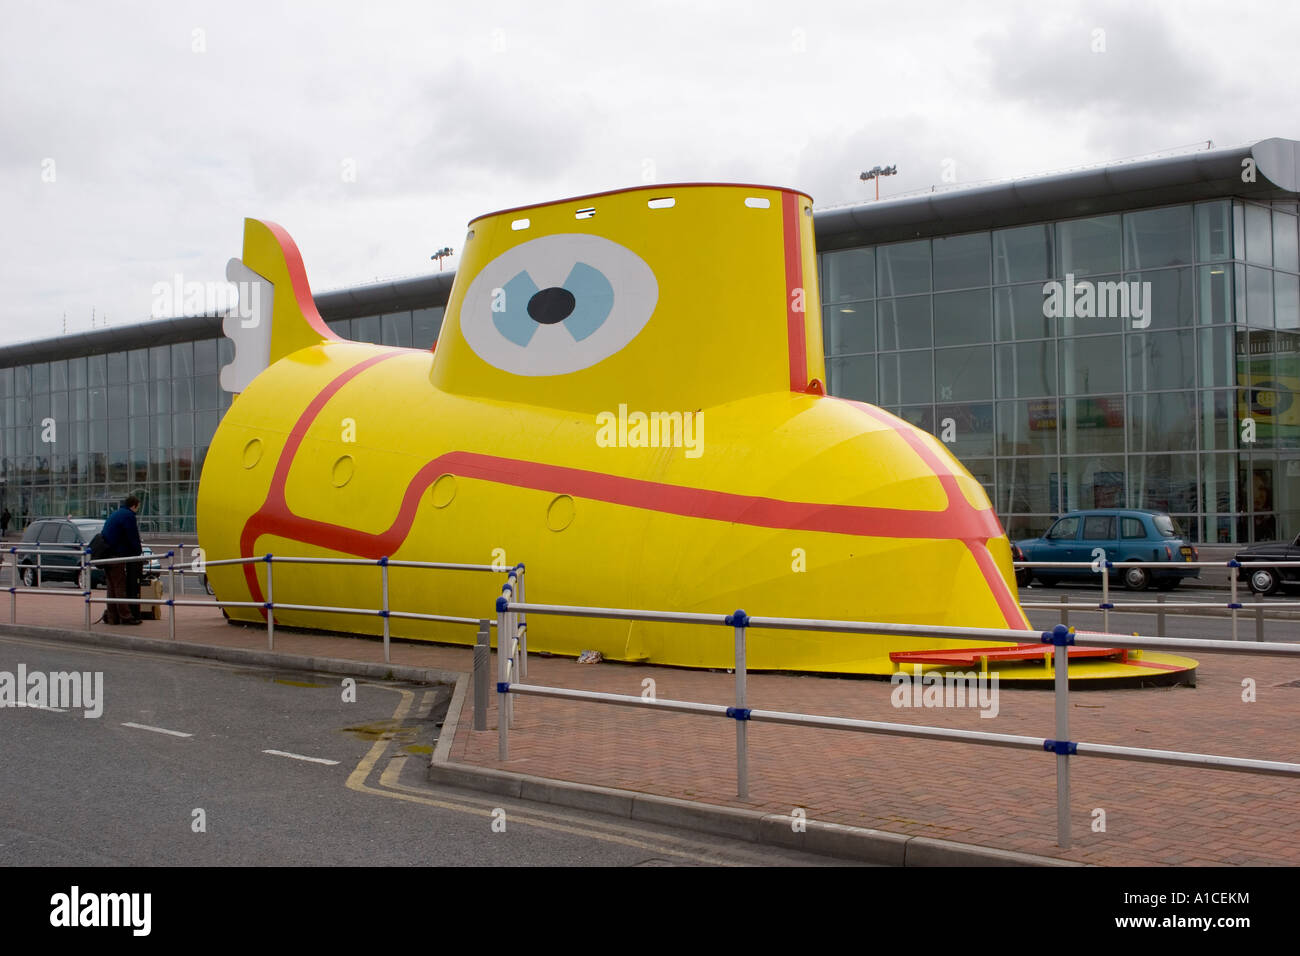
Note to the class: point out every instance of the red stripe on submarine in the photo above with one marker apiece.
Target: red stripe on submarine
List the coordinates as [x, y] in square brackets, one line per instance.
[625, 395]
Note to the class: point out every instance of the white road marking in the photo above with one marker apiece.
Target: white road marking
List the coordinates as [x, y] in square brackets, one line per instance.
[23, 703]
[157, 730]
[285, 753]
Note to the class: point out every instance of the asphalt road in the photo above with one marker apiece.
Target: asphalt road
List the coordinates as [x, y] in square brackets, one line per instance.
[284, 771]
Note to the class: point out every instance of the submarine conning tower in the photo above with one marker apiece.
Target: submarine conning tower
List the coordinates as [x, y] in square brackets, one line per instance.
[717, 285]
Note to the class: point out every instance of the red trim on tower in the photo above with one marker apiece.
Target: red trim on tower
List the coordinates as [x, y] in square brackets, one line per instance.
[298, 279]
[795, 331]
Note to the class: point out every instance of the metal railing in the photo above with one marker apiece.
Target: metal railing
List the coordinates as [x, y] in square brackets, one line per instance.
[515, 580]
[1060, 638]
[1233, 604]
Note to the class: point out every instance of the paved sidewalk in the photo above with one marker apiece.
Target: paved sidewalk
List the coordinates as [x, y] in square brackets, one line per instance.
[962, 792]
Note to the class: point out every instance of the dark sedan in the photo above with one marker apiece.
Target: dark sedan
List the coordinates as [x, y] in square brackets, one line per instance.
[1270, 580]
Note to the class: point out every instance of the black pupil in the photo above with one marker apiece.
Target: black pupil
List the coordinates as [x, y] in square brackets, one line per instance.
[551, 305]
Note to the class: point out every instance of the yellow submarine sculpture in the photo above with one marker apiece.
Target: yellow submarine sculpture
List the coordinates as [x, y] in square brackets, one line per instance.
[627, 395]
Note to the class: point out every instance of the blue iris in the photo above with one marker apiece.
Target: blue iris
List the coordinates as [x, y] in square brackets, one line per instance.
[581, 305]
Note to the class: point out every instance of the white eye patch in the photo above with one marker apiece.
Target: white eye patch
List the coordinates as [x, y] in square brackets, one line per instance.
[557, 304]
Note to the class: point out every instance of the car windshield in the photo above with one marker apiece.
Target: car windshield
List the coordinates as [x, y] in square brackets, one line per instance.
[1167, 526]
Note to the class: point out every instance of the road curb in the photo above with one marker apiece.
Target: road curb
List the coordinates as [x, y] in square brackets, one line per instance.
[753, 826]
[238, 655]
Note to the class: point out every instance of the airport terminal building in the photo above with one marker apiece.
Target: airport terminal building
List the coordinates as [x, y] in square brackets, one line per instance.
[1125, 335]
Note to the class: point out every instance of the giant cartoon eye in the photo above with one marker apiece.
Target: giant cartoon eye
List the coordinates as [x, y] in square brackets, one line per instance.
[557, 304]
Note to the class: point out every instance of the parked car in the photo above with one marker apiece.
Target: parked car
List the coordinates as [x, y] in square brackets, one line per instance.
[68, 538]
[1023, 575]
[1125, 535]
[1270, 580]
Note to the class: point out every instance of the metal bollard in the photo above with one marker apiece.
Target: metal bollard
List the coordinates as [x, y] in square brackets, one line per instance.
[523, 627]
[383, 574]
[1160, 616]
[1259, 617]
[1105, 596]
[742, 722]
[503, 652]
[84, 580]
[171, 594]
[1233, 567]
[270, 607]
[1062, 681]
[482, 674]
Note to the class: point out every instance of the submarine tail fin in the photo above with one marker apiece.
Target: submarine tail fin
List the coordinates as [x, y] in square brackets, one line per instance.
[277, 315]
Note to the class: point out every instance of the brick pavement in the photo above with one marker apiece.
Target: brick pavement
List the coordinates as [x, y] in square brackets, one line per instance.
[964, 792]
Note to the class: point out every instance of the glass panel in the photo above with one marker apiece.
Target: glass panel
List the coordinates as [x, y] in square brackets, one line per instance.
[848, 274]
[1259, 297]
[1259, 234]
[963, 374]
[963, 318]
[1158, 237]
[396, 329]
[1162, 422]
[849, 327]
[183, 430]
[961, 262]
[98, 401]
[1216, 294]
[366, 329]
[1213, 233]
[903, 268]
[1091, 365]
[182, 394]
[341, 327]
[1024, 486]
[1023, 254]
[1164, 304]
[922, 416]
[58, 376]
[1218, 359]
[425, 325]
[40, 377]
[1285, 253]
[853, 377]
[905, 377]
[1093, 482]
[966, 429]
[1132, 528]
[183, 360]
[1161, 360]
[205, 357]
[1026, 369]
[138, 366]
[225, 352]
[205, 426]
[1219, 497]
[160, 365]
[162, 431]
[1163, 482]
[77, 373]
[905, 323]
[206, 390]
[1087, 247]
[1092, 425]
[1286, 300]
[117, 401]
[116, 368]
[1019, 314]
[138, 398]
[1219, 428]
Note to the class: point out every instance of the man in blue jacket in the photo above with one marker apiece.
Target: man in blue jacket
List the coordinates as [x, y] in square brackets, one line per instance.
[123, 537]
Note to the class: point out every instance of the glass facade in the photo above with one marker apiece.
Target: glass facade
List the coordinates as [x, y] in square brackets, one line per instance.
[78, 435]
[1148, 359]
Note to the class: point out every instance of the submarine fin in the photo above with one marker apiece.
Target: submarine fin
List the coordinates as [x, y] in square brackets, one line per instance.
[277, 315]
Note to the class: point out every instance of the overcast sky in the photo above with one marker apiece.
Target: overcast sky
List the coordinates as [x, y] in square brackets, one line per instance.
[135, 137]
